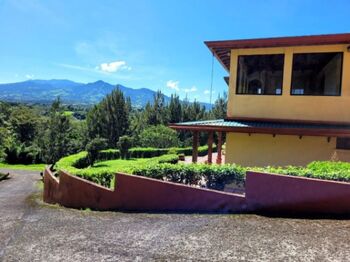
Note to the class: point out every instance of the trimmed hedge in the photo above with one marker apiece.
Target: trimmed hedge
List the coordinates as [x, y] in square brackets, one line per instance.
[215, 176]
[328, 170]
[103, 174]
[149, 152]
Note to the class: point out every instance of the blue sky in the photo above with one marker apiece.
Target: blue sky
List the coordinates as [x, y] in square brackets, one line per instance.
[153, 44]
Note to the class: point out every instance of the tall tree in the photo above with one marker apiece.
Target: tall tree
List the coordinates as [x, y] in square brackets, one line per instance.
[175, 109]
[57, 143]
[219, 109]
[109, 119]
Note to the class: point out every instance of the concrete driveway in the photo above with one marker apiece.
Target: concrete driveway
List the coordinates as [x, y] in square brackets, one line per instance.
[33, 231]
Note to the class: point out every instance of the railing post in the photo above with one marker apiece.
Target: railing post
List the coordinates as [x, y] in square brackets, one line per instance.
[195, 147]
[219, 159]
[210, 147]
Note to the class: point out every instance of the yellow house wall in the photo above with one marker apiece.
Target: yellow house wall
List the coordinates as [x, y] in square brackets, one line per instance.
[317, 108]
[281, 150]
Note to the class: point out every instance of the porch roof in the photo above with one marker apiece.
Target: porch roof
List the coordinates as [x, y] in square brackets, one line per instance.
[274, 127]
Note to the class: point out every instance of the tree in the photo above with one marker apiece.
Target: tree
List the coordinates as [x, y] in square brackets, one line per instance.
[158, 136]
[219, 110]
[175, 109]
[109, 119]
[124, 144]
[24, 124]
[156, 113]
[93, 147]
[57, 142]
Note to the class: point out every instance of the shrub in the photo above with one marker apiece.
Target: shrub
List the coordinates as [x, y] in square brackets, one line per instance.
[20, 154]
[124, 145]
[158, 136]
[216, 176]
[104, 175]
[93, 147]
[108, 154]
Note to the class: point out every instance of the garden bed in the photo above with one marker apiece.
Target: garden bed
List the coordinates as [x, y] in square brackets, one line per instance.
[219, 177]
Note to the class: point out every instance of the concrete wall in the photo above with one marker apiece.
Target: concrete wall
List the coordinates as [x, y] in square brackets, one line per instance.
[316, 108]
[295, 195]
[134, 193]
[264, 193]
[281, 150]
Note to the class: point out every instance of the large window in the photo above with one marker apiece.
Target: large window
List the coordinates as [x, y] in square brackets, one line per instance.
[317, 74]
[343, 143]
[260, 74]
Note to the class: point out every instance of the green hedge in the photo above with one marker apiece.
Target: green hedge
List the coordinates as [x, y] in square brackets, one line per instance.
[329, 170]
[143, 152]
[216, 176]
[103, 174]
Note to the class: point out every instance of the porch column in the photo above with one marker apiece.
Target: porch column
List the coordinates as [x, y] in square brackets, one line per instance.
[210, 147]
[218, 159]
[195, 147]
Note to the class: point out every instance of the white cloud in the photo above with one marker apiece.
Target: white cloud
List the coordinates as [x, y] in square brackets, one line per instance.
[190, 90]
[113, 67]
[207, 92]
[29, 76]
[173, 85]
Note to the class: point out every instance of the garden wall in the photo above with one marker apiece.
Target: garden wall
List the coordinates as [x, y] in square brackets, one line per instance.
[264, 193]
[135, 193]
[289, 194]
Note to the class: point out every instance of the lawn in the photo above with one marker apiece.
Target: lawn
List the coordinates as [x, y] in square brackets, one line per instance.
[32, 167]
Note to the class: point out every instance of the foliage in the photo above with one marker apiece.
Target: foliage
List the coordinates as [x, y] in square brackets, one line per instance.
[109, 118]
[124, 144]
[58, 140]
[103, 172]
[158, 136]
[339, 171]
[93, 147]
[44, 133]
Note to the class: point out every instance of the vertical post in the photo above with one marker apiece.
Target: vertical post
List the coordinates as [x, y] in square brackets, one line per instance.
[210, 147]
[195, 147]
[219, 159]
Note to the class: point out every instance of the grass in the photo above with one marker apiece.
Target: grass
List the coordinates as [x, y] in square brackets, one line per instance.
[32, 167]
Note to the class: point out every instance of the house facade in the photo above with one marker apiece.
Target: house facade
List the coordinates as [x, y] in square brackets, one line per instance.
[288, 101]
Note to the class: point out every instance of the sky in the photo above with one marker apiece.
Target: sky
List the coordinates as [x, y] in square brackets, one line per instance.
[156, 44]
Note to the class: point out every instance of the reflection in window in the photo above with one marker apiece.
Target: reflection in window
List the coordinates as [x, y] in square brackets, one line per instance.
[260, 74]
[317, 74]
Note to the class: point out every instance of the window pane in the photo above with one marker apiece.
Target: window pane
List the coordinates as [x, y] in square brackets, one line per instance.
[317, 74]
[260, 74]
[343, 143]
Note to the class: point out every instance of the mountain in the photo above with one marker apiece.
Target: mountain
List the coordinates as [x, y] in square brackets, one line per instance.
[45, 91]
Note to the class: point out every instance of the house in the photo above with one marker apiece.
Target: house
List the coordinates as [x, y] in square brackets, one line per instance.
[288, 101]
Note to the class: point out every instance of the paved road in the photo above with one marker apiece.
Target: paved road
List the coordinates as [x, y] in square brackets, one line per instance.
[33, 231]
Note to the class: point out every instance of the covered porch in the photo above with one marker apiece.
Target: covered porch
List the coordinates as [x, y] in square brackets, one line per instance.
[256, 126]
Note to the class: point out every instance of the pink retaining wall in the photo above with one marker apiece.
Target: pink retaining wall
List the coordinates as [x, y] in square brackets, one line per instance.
[264, 193]
[289, 194]
[134, 193]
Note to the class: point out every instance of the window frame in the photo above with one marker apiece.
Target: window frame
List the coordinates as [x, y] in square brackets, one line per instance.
[308, 95]
[261, 54]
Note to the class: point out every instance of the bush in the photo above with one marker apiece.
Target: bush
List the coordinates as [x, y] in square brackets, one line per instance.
[108, 154]
[93, 147]
[20, 154]
[216, 176]
[104, 175]
[158, 136]
[124, 145]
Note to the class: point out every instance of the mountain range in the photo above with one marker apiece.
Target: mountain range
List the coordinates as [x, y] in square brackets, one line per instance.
[70, 92]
